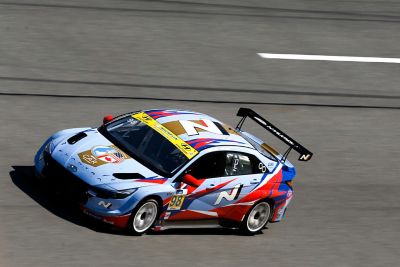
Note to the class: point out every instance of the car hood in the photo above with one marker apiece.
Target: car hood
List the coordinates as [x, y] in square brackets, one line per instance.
[94, 159]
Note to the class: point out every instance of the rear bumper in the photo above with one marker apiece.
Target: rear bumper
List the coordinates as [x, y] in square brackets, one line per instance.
[280, 209]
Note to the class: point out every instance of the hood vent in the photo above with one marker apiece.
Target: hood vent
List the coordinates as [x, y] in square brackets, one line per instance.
[128, 176]
[74, 139]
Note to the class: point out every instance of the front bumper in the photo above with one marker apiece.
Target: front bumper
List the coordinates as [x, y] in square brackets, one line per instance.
[117, 221]
[77, 191]
[62, 180]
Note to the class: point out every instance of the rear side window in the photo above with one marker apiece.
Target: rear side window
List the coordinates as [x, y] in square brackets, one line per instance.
[222, 163]
[237, 163]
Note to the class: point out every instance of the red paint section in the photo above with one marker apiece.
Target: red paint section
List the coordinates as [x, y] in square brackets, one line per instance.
[268, 190]
[233, 212]
[203, 123]
[189, 215]
[117, 221]
[237, 211]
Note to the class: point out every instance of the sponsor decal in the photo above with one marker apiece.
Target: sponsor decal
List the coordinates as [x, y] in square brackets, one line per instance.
[275, 131]
[234, 194]
[271, 164]
[108, 154]
[186, 149]
[100, 155]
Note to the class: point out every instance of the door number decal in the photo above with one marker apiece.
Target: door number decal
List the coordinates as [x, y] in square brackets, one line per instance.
[176, 202]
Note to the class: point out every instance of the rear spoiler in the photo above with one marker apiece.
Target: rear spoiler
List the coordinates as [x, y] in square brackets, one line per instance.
[305, 154]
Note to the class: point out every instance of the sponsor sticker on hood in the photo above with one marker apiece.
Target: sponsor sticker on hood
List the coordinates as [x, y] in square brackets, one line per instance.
[100, 155]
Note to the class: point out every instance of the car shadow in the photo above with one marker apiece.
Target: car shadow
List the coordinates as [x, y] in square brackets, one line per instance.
[24, 178]
[201, 231]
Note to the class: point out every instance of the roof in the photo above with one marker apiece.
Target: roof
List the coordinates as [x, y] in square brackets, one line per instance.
[197, 129]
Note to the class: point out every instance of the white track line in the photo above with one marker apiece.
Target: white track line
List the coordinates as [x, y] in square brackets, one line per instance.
[330, 58]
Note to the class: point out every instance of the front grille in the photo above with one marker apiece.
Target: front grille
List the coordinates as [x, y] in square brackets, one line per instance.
[64, 181]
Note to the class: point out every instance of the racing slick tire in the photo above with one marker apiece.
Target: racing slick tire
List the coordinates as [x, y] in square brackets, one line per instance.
[256, 218]
[143, 217]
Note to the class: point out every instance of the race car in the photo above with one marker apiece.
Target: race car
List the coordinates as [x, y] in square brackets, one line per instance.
[159, 169]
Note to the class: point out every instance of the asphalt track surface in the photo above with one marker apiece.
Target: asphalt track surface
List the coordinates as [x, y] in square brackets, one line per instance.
[62, 61]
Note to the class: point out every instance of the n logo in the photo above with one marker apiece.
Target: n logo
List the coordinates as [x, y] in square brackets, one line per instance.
[206, 125]
[305, 157]
[234, 194]
[104, 204]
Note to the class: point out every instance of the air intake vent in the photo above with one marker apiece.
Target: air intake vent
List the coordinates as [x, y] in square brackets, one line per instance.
[128, 176]
[74, 139]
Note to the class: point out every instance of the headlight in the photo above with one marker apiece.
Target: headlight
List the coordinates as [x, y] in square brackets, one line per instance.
[49, 147]
[120, 194]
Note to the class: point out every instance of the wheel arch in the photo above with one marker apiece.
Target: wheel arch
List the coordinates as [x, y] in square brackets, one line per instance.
[156, 198]
[271, 204]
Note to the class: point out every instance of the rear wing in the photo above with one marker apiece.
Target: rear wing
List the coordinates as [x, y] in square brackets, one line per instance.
[305, 154]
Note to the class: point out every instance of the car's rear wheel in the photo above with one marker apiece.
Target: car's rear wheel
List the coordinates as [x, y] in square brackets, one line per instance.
[143, 217]
[256, 218]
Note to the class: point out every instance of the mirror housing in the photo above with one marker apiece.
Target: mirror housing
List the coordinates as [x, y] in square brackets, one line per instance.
[107, 119]
[190, 180]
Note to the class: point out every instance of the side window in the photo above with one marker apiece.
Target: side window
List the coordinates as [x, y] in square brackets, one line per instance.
[210, 165]
[237, 163]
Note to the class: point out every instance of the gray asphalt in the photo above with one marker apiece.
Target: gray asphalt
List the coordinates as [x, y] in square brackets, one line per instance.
[198, 55]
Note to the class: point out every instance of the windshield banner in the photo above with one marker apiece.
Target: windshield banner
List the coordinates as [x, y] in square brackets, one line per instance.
[185, 148]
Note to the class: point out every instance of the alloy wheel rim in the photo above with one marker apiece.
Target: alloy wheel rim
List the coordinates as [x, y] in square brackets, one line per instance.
[145, 217]
[258, 217]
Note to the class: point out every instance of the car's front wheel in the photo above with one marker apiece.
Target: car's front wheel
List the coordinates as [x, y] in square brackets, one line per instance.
[143, 217]
[256, 218]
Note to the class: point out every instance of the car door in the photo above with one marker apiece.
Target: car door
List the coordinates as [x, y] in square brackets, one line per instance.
[195, 196]
[243, 172]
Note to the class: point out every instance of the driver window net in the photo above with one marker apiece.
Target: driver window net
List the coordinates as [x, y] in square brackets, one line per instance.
[237, 164]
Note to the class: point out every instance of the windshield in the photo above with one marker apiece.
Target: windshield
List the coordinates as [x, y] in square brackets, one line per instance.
[145, 145]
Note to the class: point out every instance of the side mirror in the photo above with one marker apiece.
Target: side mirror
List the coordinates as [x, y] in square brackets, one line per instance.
[107, 118]
[190, 180]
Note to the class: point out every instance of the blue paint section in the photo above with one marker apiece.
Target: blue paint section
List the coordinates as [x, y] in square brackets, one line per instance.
[288, 173]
